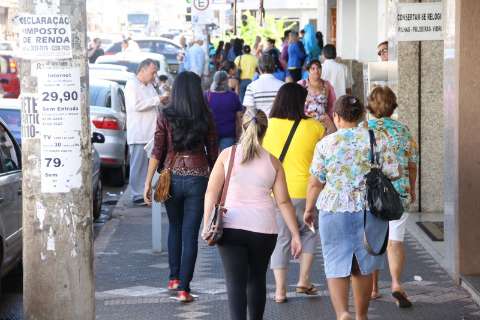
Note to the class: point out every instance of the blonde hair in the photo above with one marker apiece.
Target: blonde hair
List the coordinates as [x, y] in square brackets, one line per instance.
[382, 102]
[254, 125]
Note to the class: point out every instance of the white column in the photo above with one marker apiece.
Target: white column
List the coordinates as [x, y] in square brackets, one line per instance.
[346, 26]
[322, 19]
[382, 34]
[366, 30]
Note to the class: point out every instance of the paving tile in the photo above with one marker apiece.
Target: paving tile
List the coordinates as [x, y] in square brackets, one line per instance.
[131, 285]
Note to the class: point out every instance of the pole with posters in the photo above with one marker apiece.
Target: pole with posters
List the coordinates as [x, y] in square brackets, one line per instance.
[57, 170]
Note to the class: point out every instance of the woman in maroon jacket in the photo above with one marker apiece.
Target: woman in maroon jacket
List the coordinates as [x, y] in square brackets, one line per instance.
[185, 141]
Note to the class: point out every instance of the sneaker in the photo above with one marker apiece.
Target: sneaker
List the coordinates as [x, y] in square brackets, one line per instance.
[139, 202]
[173, 284]
[185, 297]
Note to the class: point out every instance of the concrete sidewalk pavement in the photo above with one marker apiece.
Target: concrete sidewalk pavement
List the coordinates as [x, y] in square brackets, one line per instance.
[131, 282]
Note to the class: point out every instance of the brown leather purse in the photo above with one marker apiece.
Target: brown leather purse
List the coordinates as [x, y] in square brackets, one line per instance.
[215, 219]
[162, 188]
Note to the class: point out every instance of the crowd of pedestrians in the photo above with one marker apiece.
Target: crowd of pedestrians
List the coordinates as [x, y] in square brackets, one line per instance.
[299, 150]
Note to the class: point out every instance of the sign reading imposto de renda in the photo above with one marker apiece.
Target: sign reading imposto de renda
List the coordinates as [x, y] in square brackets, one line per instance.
[44, 37]
[420, 21]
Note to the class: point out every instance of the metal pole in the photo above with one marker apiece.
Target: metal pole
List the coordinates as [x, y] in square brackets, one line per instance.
[58, 278]
[235, 17]
[157, 245]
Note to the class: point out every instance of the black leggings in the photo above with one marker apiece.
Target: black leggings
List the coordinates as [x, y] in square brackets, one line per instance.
[245, 256]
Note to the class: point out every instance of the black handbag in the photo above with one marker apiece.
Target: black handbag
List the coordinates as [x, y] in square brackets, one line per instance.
[384, 203]
[382, 198]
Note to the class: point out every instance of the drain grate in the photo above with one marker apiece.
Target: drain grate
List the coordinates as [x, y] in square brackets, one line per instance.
[433, 229]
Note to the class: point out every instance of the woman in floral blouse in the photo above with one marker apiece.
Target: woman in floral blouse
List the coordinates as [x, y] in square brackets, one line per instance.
[321, 96]
[337, 187]
[382, 102]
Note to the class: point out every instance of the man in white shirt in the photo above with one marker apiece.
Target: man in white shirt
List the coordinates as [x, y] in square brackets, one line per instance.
[261, 93]
[142, 103]
[334, 72]
[195, 58]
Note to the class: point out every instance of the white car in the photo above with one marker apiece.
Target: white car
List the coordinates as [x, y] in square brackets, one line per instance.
[108, 117]
[166, 47]
[9, 46]
[112, 72]
[132, 60]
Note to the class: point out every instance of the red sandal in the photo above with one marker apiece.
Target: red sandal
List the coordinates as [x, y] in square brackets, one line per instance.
[185, 297]
[173, 284]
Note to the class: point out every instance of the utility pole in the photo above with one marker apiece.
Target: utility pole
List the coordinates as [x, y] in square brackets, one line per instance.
[58, 280]
[235, 17]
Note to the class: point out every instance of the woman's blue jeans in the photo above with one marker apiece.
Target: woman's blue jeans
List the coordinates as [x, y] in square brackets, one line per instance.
[243, 88]
[224, 143]
[185, 213]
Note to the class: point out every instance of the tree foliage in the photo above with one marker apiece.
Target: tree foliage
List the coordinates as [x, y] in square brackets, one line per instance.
[272, 28]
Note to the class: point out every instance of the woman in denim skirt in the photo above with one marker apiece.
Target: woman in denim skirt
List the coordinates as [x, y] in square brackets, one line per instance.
[337, 187]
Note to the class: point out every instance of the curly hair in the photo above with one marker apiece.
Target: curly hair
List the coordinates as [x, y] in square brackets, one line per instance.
[382, 102]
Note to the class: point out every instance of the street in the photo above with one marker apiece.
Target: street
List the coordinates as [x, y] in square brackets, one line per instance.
[130, 279]
[11, 299]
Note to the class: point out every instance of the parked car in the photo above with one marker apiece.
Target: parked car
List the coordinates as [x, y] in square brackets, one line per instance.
[9, 75]
[159, 45]
[112, 72]
[132, 60]
[108, 116]
[10, 114]
[10, 201]
[107, 39]
[7, 45]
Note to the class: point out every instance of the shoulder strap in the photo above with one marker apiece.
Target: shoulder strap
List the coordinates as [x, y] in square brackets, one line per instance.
[368, 247]
[373, 143]
[289, 140]
[229, 173]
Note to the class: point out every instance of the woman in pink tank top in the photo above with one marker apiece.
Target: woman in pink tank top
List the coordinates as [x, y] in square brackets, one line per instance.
[250, 228]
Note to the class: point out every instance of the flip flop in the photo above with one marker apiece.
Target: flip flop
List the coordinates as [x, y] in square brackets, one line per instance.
[309, 291]
[280, 300]
[375, 296]
[402, 300]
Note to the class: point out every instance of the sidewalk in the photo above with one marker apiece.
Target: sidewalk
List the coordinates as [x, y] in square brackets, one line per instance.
[131, 280]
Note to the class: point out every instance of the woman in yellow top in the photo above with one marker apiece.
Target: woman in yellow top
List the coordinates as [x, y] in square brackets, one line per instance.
[247, 64]
[288, 108]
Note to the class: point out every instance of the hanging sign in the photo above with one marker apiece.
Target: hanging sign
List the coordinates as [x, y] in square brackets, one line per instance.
[420, 21]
